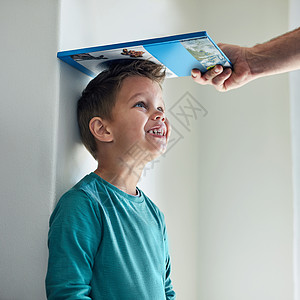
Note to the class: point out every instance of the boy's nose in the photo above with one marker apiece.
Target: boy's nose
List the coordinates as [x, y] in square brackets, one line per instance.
[159, 115]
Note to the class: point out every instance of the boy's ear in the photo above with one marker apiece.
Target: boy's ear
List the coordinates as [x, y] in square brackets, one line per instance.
[99, 130]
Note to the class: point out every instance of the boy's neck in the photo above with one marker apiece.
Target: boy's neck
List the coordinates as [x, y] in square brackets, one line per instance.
[123, 177]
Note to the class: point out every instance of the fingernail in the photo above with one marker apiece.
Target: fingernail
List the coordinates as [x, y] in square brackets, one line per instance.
[194, 74]
[217, 69]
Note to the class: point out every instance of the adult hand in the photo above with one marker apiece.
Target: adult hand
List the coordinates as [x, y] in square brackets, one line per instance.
[224, 79]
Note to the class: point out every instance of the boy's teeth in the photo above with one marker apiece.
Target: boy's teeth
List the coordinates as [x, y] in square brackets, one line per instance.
[157, 132]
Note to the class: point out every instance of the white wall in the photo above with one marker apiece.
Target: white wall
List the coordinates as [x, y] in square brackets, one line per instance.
[295, 126]
[225, 187]
[29, 95]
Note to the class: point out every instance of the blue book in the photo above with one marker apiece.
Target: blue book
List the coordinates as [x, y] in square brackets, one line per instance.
[178, 53]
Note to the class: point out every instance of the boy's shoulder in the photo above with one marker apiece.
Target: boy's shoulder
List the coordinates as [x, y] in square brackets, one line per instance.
[78, 198]
[86, 188]
[94, 191]
[152, 204]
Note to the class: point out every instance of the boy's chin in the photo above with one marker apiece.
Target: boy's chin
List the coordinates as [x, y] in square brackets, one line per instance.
[158, 151]
[157, 147]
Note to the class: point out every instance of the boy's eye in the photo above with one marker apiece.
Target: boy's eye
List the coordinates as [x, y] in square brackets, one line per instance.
[160, 109]
[140, 104]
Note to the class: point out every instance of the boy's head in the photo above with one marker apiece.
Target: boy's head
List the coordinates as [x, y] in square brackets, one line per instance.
[98, 101]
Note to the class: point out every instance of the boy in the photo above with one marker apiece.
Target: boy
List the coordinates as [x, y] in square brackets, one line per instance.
[107, 240]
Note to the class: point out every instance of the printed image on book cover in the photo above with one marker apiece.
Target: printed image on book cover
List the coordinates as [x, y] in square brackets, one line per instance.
[205, 52]
[98, 61]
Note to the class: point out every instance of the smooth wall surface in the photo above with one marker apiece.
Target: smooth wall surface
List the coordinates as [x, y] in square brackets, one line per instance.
[295, 127]
[29, 97]
[225, 185]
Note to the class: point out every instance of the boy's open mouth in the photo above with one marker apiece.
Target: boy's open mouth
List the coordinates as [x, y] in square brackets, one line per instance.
[157, 131]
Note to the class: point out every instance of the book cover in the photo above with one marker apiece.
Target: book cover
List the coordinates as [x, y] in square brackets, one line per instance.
[178, 53]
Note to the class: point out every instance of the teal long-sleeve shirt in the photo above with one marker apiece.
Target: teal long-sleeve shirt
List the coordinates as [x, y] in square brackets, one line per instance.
[105, 244]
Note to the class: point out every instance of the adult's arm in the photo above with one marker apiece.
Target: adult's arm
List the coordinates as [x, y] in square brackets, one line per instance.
[279, 55]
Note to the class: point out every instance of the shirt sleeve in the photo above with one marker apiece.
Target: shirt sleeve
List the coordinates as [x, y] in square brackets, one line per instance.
[73, 241]
[170, 293]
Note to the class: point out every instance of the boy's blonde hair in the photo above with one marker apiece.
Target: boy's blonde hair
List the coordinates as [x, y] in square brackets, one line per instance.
[99, 97]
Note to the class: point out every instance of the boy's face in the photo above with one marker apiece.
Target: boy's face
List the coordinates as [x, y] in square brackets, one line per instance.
[139, 125]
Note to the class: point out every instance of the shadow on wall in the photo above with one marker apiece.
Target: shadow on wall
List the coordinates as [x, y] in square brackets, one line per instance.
[70, 152]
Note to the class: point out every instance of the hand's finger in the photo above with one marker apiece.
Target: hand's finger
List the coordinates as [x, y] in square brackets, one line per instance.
[195, 73]
[206, 77]
[211, 74]
[219, 80]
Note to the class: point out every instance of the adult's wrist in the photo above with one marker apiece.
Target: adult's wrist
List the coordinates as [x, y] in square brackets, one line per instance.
[259, 61]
